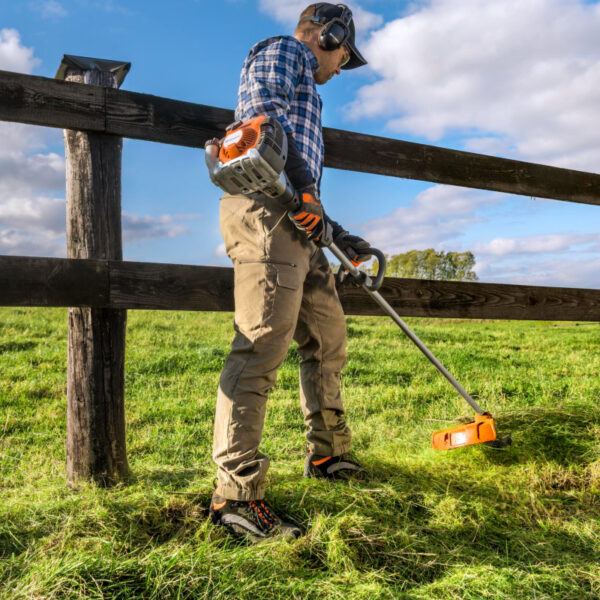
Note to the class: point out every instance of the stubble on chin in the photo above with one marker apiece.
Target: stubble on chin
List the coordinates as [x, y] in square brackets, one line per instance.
[321, 79]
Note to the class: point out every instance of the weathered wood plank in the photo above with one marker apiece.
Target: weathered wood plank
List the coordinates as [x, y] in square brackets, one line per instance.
[42, 101]
[156, 119]
[370, 154]
[467, 300]
[39, 282]
[33, 281]
[69, 105]
[170, 287]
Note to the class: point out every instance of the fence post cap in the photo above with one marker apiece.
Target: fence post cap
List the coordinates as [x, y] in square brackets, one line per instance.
[85, 63]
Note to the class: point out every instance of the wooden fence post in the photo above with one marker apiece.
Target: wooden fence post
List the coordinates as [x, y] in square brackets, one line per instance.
[96, 342]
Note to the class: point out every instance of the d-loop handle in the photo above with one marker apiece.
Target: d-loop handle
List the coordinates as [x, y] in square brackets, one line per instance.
[382, 266]
[349, 269]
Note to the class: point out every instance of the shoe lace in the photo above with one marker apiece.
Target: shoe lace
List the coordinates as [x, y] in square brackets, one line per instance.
[264, 514]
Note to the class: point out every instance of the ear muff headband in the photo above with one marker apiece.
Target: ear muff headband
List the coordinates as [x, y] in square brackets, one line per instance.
[336, 31]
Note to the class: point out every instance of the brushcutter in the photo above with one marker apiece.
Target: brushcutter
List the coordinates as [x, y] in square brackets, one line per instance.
[483, 428]
[250, 159]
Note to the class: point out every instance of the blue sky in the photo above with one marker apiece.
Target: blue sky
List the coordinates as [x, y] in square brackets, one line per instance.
[515, 78]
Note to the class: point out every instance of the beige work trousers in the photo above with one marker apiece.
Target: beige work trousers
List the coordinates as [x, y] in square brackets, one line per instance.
[284, 289]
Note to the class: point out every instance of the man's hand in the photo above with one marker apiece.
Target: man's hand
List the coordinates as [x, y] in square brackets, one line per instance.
[308, 217]
[353, 246]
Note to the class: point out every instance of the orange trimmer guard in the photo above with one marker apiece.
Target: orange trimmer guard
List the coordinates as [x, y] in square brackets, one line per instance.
[482, 429]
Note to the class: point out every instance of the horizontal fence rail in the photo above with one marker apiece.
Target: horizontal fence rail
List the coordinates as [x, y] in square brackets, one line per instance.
[29, 281]
[43, 101]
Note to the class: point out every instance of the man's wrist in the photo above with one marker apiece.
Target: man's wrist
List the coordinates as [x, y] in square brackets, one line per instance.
[336, 228]
[296, 166]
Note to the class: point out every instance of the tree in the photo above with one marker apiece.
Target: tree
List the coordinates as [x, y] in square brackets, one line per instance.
[429, 264]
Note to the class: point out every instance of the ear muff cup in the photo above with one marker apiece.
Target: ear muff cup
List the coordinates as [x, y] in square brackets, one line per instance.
[333, 35]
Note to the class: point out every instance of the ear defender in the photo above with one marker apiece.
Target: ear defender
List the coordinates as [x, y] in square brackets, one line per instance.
[333, 35]
[336, 31]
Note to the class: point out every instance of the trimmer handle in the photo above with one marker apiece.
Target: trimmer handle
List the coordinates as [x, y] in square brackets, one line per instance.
[382, 266]
[349, 269]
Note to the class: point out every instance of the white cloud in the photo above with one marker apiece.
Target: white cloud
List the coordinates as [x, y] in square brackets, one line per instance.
[33, 214]
[32, 219]
[38, 171]
[114, 7]
[13, 55]
[365, 20]
[535, 244]
[17, 138]
[288, 12]
[32, 183]
[136, 227]
[284, 12]
[516, 77]
[556, 272]
[435, 218]
[31, 242]
[49, 9]
[541, 260]
[35, 226]
[220, 251]
[440, 215]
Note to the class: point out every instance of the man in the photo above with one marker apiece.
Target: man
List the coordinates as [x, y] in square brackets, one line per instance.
[284, 287]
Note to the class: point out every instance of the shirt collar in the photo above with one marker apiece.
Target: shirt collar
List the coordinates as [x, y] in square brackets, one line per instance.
[314, 62]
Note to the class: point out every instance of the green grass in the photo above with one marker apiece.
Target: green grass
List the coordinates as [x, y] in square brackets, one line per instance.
[522, 522]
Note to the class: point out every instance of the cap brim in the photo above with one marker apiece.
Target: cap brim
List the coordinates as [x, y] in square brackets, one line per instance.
[356, 58]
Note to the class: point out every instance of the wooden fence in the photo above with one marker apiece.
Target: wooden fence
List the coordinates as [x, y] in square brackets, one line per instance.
[99, 287]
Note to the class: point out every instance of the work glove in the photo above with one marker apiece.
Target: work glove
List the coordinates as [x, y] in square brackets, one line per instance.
[309, 216]
[353, 246]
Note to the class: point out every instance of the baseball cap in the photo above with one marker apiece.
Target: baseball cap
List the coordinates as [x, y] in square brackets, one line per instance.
[325, 13]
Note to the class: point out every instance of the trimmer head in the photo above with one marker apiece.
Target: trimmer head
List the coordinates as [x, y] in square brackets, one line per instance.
[479, 431]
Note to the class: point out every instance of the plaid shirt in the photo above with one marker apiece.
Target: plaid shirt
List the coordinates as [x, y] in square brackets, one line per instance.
[277, 80]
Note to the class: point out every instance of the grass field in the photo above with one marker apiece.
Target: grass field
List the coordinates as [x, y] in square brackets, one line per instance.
[522, 522]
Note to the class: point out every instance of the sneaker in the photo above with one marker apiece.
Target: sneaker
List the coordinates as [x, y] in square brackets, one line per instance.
[332, 467]
[255, 519]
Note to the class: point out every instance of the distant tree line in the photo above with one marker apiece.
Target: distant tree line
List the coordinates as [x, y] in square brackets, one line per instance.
[429, 264]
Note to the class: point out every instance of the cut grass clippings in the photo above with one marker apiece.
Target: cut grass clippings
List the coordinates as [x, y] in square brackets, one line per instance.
[517, 523]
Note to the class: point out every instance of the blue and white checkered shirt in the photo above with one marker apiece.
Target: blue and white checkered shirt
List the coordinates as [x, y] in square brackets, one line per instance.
[277, 80]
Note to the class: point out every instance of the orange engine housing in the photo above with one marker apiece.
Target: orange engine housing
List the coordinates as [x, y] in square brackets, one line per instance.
[250, 158]
[238, 141]
[482, 429]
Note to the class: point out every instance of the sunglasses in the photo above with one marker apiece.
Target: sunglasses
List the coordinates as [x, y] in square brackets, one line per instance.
[346, 59]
